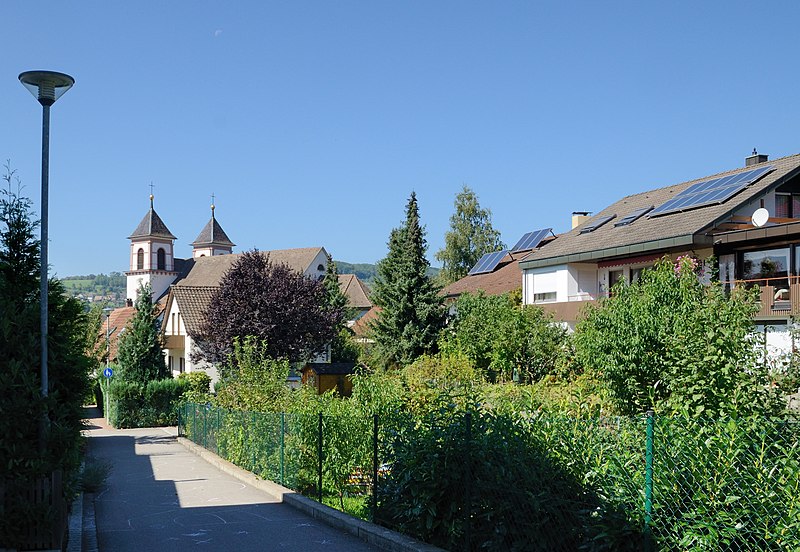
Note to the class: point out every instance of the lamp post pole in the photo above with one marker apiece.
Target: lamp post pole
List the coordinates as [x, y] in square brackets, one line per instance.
[107, 310]
[47, 87]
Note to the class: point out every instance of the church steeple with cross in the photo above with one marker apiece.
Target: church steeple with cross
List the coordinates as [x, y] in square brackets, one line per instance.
[212, 239]
[151, 258]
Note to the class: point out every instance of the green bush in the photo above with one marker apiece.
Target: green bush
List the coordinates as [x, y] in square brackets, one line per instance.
[151, 405]
[199, 385]
[494, 482]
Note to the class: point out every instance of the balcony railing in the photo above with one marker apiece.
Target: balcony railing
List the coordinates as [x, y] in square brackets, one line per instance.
[779, 296]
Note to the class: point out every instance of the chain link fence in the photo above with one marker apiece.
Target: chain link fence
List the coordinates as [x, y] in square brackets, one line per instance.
[484, 481]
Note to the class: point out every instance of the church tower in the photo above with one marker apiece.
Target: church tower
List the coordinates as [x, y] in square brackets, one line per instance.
[152, 260]
[212, 240]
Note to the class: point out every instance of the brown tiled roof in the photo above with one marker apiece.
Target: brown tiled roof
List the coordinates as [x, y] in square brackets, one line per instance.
[193, 302]
[208, 271]
[355, 290]
[507, 277]
[650, 234]
[361, 326]
[117, 320]
[152, 226]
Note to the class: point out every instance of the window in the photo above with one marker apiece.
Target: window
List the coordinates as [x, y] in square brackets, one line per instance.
[615, 276]
[636, 273]
[161, 261]
[182, 366]
[544, 297]
[172, 331]
[787, 205]
[140, 259]
[321, 268]
[768, 268]
[770, 264]
[169, 363]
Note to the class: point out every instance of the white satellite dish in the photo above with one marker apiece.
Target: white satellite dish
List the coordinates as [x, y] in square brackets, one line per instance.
[760, 217]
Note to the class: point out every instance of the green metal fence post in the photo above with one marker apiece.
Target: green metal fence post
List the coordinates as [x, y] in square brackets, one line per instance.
[468, 483]
[216, 433]
[648, 483]
[205, 428]
[283, 450]
[180, 411]
[319, 456]
[253, 441]
[374, 466]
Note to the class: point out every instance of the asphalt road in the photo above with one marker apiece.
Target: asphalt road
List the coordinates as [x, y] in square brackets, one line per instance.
[160, 497]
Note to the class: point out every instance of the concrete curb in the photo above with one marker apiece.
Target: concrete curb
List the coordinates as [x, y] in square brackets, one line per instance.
[89, 538]
[369, 532]
[76, 525]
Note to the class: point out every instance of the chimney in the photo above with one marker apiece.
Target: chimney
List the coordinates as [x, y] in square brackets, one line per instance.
[579, 217]
[755, 158]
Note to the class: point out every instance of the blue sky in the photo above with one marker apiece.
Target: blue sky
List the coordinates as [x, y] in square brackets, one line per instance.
[313, 121]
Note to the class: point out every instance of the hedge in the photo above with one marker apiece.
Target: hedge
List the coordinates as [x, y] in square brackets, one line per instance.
[151, 405]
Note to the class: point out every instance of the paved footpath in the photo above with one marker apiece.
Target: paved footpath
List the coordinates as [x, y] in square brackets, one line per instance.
[160, 496]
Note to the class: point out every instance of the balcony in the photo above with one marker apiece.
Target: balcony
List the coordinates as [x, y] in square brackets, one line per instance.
[779, 296]
[174, 342]
[570, 310]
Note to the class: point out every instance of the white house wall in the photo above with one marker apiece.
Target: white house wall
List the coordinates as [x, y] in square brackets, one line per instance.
[159, 282]
[313, 271]
[552, 279]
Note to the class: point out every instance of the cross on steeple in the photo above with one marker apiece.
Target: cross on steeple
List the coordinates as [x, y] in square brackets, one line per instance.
[151, 194]
[213, 197]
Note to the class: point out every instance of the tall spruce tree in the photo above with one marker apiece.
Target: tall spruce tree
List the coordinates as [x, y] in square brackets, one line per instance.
[140, 356]
[412, 313]
[471, 236]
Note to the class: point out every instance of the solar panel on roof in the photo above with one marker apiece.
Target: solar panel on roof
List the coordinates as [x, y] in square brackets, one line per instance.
[488, 262]
[531, 240]
[710, 192]
[626, 220]
[592, 226]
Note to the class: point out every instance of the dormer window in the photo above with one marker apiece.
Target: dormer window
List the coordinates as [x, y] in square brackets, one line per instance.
[161, 259]
[140, 259]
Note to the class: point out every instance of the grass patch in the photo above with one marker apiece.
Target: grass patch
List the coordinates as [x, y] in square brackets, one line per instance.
[94, 474]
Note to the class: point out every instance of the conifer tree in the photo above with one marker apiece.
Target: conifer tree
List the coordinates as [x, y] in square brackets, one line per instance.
[336, 299]
[471, 236]
[411, 313]
[343, 348]
[23, 407]
[140, 356]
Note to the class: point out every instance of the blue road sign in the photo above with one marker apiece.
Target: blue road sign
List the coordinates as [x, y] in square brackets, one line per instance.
[108, 372]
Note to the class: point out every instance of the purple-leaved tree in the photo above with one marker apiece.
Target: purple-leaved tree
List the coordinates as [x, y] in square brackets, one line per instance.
[283, 309]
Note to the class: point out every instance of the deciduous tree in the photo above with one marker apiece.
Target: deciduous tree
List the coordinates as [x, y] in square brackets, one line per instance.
[284, 310]
[471, 236]
[670, 342]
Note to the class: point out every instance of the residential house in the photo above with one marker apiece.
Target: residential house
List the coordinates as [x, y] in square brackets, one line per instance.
[357, 294]
[499, 272]
[184, 287]
[188, 300]
[748, 218]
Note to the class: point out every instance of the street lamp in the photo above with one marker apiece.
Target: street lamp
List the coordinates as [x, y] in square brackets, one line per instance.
[46, 87]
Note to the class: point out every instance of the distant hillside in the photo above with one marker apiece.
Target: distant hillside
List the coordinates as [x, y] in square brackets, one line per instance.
[97, 288]
[366, 272]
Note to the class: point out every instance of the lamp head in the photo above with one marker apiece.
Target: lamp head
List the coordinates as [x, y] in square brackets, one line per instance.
[46, 86]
